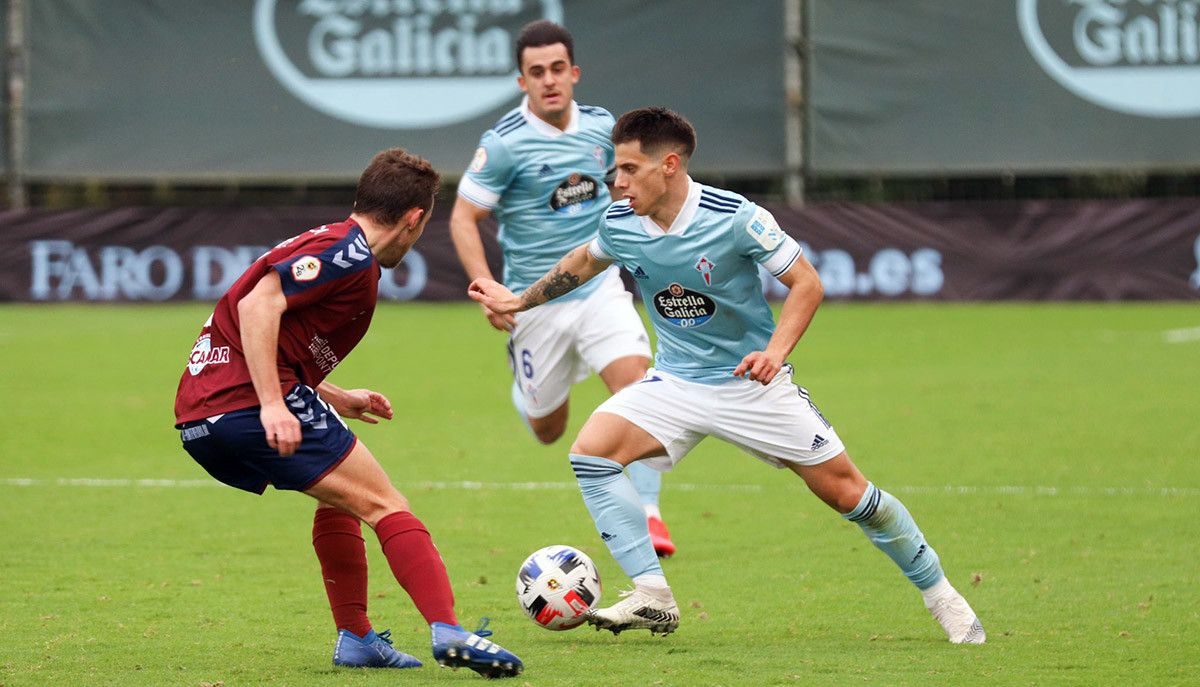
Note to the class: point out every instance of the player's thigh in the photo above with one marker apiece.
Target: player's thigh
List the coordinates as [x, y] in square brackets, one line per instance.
[543, 356]
[670, 411]
[777, 423]
[360, 486]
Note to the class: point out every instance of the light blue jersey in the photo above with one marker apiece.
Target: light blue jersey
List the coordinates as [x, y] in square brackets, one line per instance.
[700, 279]
[546, 188]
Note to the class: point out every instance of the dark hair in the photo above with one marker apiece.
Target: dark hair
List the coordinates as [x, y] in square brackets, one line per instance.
[544, 32]
[656, 128]
[395, 182]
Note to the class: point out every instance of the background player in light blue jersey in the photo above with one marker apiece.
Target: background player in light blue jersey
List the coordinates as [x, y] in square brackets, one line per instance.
[720, 369]
[543, 171]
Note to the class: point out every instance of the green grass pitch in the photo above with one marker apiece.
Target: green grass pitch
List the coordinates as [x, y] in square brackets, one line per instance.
[1051, 454]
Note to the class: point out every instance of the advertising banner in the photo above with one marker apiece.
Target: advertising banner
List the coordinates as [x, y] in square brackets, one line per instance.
[940, 87]
[1091, 250]
[310, 89]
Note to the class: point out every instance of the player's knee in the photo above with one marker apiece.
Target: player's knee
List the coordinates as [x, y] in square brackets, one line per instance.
[376, 507]
[590, 445]
[845, 494]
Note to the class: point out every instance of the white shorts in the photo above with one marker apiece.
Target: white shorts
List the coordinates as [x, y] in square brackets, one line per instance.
[556, 345]
[776, 423]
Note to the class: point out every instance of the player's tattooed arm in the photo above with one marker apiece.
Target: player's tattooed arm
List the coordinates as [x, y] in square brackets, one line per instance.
[575, 268]
[558, 283]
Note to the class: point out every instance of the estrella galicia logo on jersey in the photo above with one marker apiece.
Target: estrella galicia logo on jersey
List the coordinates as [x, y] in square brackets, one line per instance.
[203, 354]
[639, 273]
[575, 194]
[684, 308]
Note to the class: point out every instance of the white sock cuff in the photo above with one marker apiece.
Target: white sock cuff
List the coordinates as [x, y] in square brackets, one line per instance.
[652, 581]
[652, 510]
[939, 589]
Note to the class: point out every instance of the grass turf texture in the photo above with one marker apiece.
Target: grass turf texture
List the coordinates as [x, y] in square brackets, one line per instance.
[194, 585]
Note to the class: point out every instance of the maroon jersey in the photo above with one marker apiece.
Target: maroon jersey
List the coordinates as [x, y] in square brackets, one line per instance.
[330, 279]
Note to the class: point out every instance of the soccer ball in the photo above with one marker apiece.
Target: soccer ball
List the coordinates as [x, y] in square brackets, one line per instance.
[556, 586]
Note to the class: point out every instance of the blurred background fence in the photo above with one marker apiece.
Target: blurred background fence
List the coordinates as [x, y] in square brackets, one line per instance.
[928, 149]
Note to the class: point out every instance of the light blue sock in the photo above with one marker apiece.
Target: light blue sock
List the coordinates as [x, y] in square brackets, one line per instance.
[620, 520]
[646, 481]
[888, 525]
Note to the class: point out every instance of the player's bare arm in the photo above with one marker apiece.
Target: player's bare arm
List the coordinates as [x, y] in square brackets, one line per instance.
[259, 313]
[356, 404]
[464, 232]
[804, 296]
[572, 271]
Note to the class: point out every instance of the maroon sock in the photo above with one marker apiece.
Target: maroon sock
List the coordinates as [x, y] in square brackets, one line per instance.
[338, 541]
[417, 565]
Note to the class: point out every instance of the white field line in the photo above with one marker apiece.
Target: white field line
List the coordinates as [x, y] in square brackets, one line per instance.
[1182, 335]
[1019, 490]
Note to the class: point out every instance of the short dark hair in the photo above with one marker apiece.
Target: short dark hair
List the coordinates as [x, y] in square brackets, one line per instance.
[655, 128]
[395, 182]
[544, 32]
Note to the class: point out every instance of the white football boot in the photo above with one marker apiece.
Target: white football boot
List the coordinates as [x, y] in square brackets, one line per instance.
[961, 624]
[639, 609]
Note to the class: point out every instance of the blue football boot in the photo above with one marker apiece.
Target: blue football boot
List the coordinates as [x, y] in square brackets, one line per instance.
[455, 647]
[370, 651]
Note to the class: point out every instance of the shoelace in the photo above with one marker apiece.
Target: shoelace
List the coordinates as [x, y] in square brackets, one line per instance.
[386, 636]
[483, 631]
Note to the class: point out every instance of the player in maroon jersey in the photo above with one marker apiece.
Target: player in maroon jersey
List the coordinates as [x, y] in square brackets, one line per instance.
[253, 408]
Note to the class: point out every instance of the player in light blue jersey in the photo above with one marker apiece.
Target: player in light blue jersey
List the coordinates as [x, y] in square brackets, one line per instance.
[543, 172]
[720, 369]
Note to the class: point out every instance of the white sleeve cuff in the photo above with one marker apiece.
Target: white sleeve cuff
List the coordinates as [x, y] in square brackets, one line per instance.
[598, 252]
[476, 194]
[783, 258]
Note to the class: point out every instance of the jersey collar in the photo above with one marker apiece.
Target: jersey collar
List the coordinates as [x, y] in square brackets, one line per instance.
[684, 219]
[542, 127]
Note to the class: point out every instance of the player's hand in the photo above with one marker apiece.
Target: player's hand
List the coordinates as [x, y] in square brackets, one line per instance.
[282, 428]
[505, 323]
[493, 296]
[758, 367]
[362, 404]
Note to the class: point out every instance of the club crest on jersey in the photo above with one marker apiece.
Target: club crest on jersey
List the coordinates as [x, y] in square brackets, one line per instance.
[203, 354]
[575, 194]
[683, 307]
[306, 268]
[705, 268]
